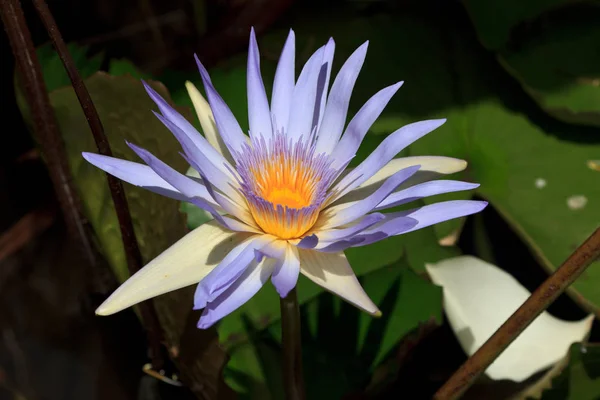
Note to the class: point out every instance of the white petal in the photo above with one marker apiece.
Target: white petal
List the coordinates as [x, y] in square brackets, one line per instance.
[479, 297]
[207, 121]
[184, 263]
[332, 272]
[431, 166]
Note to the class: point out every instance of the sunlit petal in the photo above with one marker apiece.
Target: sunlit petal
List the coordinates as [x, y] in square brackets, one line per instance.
[183, 264]
[334, 273]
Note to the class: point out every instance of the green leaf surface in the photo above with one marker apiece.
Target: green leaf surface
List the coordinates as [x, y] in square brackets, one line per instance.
[124, 67]
[495, 19]
[580, 379]
[55, 75]
[157, 220]
[559, 65]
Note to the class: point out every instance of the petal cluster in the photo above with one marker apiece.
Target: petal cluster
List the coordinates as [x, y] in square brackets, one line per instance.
[282, 197]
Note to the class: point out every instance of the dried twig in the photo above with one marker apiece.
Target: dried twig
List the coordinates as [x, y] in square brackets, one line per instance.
[45, 126]
[25, 230]
[132, 250]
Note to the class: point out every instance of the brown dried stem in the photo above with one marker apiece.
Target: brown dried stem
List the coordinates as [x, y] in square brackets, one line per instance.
[132, 250]
[44, 121]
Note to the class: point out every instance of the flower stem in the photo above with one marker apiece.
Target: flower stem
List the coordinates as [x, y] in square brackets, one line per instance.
[292, 347]
[539, 300]
[132, 250]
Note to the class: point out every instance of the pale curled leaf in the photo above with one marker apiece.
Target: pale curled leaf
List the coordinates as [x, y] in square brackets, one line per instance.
[479, 297]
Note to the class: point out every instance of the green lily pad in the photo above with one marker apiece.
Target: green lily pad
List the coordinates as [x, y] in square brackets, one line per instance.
[580, 378]
[124, 67]
[495, 19]
[157, 220]
[559, 65]
[55, 75]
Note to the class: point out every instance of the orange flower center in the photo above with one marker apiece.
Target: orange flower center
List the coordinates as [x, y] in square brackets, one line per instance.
[285, 185]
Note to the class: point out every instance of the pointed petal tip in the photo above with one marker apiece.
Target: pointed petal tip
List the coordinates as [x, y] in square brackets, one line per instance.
[133, 147]
[148, 88]
[282, 292]
[204, 323]
[105, 309]
[377, 314]
[207, 319]
[200, 65]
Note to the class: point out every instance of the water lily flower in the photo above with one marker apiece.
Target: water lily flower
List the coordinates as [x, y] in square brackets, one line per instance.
[282, 198]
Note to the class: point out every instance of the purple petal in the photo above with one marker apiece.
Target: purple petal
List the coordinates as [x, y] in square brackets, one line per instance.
[187, 186]
[283, 85]
[376, 236]
[229, 223]
[362, 207]
[246, 286]
[361, 123]
[368, 236]
[228, 271]
[227, 125]
[388, 149]
[259, 115]
[334, 117]
[304, 97]
[332, 235]
[201, 163]
[341, 245]
[137, 174]
[240, 212]
[430, 215]
[323, 84]
[195, 142]
[308, 242]
[422, 190]
[190, 188]
[286, 271]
